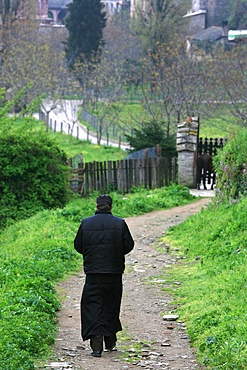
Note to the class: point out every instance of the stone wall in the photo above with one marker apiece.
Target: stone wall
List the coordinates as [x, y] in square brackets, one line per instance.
[196, 23]
[187, 138]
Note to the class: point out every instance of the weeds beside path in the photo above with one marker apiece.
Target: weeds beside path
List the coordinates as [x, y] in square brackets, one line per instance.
[150, 342]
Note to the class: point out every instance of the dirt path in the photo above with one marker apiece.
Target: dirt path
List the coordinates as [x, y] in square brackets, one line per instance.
[165, 344]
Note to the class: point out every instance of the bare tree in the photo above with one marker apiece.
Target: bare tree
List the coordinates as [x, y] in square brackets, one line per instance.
[173, 84]
[158, 21]
[231, 81]
[103, 97]
[33, 57]
[105, 78]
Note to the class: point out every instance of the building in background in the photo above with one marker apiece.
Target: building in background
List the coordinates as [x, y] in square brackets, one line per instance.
[207, 13]
[202, 14]
[114, 6]
[57, 10]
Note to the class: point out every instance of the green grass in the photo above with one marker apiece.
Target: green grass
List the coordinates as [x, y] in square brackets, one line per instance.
[212, 297]
[34, 255]
[217, 128]
[71, 145]
[90, 152]
[37, 253]
[131, 113]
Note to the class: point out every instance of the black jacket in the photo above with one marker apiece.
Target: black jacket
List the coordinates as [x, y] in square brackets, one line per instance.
[103, 240]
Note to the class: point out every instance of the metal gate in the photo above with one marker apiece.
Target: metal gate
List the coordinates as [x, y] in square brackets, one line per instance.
[208, 146]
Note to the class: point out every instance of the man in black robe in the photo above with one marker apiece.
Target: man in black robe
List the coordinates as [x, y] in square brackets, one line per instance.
[103, 240]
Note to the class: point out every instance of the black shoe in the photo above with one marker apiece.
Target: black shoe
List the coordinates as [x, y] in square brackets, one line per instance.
[96, 343]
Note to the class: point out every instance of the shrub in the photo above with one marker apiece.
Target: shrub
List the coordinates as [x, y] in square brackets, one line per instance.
[231, 167]
[151, 134]
[33, 174]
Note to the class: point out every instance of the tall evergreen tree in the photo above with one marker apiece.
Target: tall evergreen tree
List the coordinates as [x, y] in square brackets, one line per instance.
[85, 24]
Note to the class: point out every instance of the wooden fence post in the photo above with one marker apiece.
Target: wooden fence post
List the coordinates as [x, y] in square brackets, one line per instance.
[120, 183]
[120, 175]
[80, 178]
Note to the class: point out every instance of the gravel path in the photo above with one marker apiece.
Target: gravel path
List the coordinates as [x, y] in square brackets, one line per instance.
[163, 344]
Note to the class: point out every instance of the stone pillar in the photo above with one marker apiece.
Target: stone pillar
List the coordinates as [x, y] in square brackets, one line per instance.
[187, 138]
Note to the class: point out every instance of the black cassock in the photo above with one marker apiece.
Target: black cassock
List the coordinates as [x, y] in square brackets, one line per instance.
[100, 305]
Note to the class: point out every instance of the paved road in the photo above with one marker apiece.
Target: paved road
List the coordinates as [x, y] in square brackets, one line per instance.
[64, 118]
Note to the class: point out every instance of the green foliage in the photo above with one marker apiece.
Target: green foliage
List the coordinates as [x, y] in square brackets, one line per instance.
[231, 168]
[212, 295]
[137, 202]
[238, 18]
[68, 144]
[33, 173]
[219, 127]
[90, 152]
[169, 147]
[141, 200]
[149, 135]
[34, 255]
[85, 24]
[38, 252]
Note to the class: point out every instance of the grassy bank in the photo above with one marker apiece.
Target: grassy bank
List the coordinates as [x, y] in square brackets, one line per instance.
[90, 152]
[212, 297]
[36, 253]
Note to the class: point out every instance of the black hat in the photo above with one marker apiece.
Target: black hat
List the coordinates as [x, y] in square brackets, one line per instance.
[104, 199]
